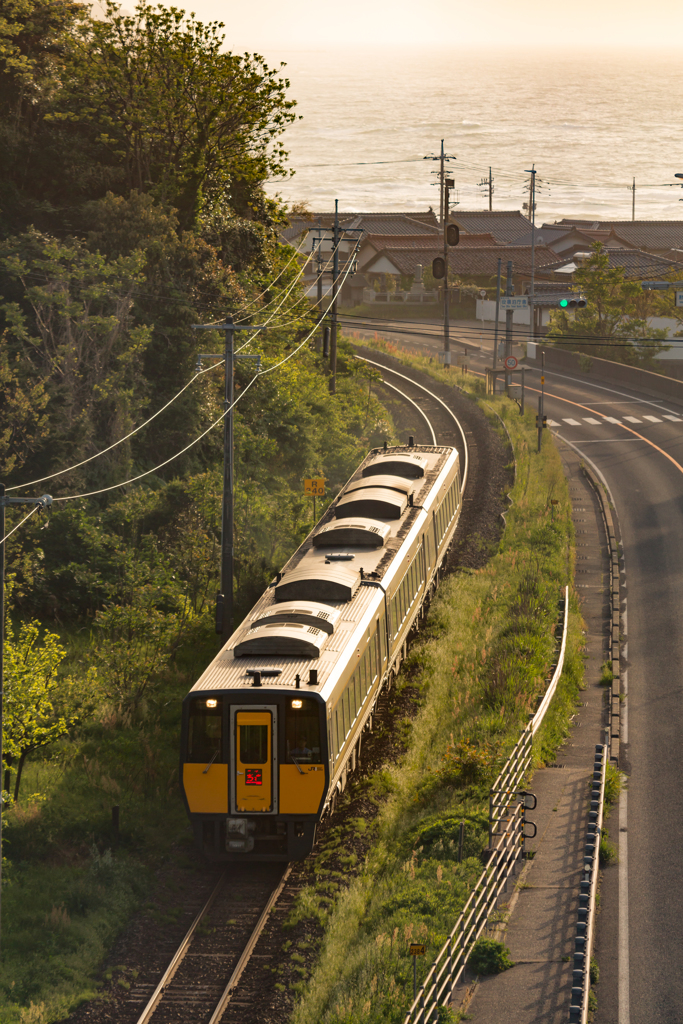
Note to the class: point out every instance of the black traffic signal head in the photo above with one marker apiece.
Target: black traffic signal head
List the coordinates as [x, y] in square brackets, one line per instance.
[439, 268]
[572, 302]
[452, 234]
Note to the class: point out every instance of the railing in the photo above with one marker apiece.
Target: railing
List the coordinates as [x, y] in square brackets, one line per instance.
[506, 844]
[585, 925]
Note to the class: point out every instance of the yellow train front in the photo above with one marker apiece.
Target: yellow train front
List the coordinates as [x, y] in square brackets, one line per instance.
[255, 771]
[274, 725]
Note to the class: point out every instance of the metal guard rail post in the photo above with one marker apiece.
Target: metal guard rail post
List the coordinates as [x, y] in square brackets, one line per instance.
[505, 846]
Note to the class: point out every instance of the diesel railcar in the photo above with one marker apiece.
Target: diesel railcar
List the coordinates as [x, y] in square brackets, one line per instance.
[273, 727]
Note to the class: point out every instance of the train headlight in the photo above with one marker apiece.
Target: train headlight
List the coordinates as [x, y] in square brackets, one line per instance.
[297, 704]
[211, 703]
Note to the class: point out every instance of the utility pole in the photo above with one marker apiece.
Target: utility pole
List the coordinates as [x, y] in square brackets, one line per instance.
[540, 402]
[448, 184]
[489, 182]
[43, 503]
[633, 205]
[335, 279]
[224, 599]
[532, 202]
[495, 330]
[441, 174]
[508, 325]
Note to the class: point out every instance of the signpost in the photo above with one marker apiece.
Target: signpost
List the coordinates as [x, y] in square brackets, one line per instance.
[510, 363]
[514, 302]
[416, 949]
[314, 487]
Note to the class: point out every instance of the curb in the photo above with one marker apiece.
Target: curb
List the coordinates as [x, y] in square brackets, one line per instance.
[614, 718]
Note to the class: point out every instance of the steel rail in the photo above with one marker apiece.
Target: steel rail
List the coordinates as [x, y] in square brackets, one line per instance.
[249, 949]
[179, 955]
[436, 398]
[421, 411]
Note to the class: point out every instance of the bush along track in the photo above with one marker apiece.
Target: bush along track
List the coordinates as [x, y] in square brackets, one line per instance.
[480, 669]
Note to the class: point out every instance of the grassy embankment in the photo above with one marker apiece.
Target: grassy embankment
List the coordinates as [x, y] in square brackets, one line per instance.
[481, 665]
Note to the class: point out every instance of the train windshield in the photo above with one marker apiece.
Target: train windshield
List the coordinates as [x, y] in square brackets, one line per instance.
[205, 733]
[302, 730]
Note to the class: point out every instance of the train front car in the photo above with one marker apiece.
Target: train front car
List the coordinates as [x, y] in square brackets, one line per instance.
[274, 724]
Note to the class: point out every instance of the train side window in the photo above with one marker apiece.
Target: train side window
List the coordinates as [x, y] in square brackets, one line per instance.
[302, 731]
[205, 733]
[337, 734]
[347, 712]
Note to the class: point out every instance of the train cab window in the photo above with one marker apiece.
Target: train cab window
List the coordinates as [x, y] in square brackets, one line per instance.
[302, 731]
[253, 744]
[205, 732]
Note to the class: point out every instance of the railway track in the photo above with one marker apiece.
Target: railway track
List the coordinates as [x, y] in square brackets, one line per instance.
[202, 976]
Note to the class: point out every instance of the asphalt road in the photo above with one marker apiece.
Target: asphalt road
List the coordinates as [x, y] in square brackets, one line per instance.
[636, 442]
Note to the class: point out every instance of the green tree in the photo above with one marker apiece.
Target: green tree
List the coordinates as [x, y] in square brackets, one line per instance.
[38, 707]
[160, 107]
[613, 324]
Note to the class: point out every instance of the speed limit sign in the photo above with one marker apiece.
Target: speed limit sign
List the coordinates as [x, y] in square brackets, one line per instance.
[510, 363]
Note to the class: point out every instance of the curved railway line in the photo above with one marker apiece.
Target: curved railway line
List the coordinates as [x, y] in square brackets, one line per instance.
[215, 974]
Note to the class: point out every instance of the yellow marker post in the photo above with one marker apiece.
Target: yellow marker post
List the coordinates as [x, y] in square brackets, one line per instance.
[416, 949]
[315, 488]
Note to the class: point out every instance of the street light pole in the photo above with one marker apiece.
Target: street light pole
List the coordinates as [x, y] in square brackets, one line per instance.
[43, 503]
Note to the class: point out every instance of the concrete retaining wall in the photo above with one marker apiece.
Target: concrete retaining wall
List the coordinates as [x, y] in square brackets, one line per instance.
[587, 367]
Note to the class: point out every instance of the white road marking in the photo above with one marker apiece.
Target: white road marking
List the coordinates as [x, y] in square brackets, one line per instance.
[674, 419]
[572, 423]
[652, 419]
[611, 419]
[589, 419]
[624, 981]
[632, 419]
[552, 423]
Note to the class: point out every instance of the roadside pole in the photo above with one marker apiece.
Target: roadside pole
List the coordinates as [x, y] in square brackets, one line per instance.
[495, 329]
[508, 325]
[532, 203]
[540, 401]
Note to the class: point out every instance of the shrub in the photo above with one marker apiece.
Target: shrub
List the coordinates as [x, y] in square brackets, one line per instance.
[489, 957]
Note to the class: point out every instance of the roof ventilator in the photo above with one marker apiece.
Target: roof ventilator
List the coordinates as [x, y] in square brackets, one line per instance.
[313, 677]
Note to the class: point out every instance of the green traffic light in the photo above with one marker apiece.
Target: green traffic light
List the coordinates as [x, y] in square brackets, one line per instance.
[564, 302]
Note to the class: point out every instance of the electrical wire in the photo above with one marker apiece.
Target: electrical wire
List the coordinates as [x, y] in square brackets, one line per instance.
[104, 451]
[140, 476]
[14, 529]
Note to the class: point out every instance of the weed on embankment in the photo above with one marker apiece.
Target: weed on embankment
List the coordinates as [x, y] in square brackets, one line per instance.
[481, 665]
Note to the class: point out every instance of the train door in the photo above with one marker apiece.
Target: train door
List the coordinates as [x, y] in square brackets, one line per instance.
[254, 757]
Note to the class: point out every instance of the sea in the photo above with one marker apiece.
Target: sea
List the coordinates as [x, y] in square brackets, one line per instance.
[589, 122]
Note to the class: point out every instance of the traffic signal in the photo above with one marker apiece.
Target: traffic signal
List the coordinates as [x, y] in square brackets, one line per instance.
[572, 302]
[439, 268]
[545, 421]
[452, 234]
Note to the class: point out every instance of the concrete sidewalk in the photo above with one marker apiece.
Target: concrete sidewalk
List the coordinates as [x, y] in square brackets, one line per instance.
[543, 908]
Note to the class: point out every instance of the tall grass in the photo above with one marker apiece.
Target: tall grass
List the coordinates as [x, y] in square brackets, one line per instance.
[482, 665]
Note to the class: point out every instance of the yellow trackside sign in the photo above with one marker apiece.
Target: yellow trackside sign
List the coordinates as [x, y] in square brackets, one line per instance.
[315, 486]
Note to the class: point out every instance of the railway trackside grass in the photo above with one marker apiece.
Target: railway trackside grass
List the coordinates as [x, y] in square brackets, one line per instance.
[481, 664]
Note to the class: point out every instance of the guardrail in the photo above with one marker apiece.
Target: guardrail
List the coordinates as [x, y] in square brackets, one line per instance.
[585, 925]
[506, 844]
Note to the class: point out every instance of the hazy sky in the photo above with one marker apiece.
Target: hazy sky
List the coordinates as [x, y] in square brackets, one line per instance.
[268, 24]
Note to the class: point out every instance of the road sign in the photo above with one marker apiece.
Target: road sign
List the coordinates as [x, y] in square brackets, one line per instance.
[514, 302]
[315, 486]
[417, 949]
[679, 298]
[510, 363]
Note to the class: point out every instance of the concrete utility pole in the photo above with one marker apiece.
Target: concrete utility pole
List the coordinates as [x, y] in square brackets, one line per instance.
[495, 329]
[508, 325]
[333, 318]
[448, 184]
[224, 599]
[43, 503]
[532, 203]
[633, 205]
[441, 174]
[489, 183]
